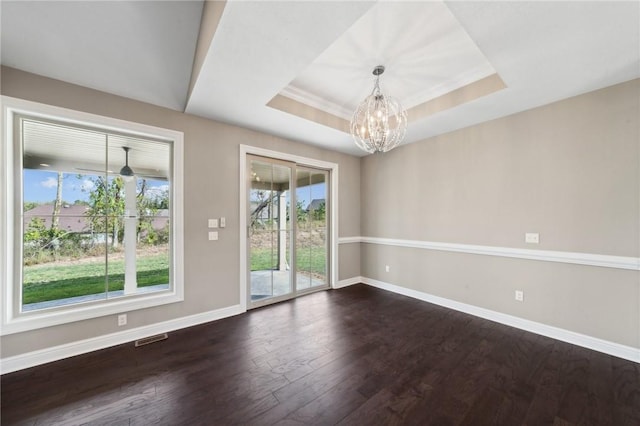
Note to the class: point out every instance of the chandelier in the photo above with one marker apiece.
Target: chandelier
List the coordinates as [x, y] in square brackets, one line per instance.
[379, 123]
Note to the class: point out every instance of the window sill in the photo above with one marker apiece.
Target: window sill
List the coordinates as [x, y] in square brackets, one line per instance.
[35, 319]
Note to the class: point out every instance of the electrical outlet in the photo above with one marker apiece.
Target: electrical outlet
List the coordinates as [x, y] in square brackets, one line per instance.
[122, 320]
[520, 295]
[387, 268]
[532, 238]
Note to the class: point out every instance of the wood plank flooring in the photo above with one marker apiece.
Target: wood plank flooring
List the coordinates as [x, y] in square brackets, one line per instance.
[356, 356]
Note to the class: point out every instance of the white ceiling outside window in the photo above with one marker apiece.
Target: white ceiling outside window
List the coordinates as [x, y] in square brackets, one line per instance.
[52, 146]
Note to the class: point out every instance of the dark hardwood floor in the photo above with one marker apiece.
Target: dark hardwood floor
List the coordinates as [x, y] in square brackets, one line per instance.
[356, 356]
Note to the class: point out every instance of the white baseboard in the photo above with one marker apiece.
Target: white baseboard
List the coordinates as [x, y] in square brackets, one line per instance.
[31, 359]
[611, 348]
[348, 282]
[43, 356]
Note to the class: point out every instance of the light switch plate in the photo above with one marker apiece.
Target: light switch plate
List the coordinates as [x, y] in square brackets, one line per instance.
[223, 222]
[213, 223]
[213, 235]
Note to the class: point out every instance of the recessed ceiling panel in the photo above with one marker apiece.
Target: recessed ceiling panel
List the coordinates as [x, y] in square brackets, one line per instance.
[423, 47]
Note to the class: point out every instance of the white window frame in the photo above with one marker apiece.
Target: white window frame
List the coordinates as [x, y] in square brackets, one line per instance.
[12, 320]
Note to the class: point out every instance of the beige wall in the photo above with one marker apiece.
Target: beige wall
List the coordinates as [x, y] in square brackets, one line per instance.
[349, 261]
[569, 171]
[211, 182]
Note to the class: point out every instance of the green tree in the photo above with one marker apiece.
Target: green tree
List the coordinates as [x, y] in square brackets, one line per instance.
[319, 213]
[29, 205]
[41, 243]
[148, 207]
[106, 207]
[159, 201]
[36, 232]
[301, 213]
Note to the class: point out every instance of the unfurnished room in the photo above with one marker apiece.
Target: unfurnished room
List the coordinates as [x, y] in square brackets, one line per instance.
[320, 212]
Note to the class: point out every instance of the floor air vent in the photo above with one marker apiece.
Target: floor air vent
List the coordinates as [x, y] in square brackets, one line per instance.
[151, 339]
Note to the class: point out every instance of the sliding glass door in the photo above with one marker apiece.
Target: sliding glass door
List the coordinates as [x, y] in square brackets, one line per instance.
[311, 228]
[270, 229]
[287, 230]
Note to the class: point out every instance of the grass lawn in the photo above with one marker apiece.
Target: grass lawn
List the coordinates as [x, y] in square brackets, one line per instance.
[52, 282]
[310, 259]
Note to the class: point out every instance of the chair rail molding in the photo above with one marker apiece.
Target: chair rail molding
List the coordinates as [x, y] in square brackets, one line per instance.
[589, 259]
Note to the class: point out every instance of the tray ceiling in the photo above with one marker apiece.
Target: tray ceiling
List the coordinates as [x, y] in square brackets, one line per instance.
[297, 69]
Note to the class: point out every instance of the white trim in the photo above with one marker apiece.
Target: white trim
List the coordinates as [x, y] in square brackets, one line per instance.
[242, 220]
[600, 345]
[43, 356]
[333, 222]
[589, 259]
[347, 282]
[6, 212]
[349, 240]
[461, 80]
[309, 99]
[333, 218]
[303, 161]
[52, 112]
[14, 322]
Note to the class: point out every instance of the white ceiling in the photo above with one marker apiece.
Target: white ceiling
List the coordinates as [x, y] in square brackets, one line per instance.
[426, 52]
[325, 51]
[137, 49]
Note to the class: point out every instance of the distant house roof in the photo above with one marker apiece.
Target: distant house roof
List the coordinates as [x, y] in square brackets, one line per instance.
[315, 204]
[73, 218]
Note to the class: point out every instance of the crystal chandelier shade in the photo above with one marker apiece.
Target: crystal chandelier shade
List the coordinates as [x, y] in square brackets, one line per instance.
[379, 123]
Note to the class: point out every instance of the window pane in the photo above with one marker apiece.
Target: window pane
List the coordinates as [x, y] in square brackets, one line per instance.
[61, 268]
[269, 230]
[153, 254]
[311, 241]
[90, 233]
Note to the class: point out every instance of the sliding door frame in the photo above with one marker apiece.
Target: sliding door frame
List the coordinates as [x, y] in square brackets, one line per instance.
[332, 168]
[251, 304]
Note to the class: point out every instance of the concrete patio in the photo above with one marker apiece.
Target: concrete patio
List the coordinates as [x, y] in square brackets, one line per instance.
[262, 286]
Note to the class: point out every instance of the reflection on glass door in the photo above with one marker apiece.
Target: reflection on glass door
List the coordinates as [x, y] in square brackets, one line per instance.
[269, 229]
[311, 230]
